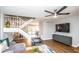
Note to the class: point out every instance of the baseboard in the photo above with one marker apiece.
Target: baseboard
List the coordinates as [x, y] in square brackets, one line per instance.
[77, 45]
[46, 38]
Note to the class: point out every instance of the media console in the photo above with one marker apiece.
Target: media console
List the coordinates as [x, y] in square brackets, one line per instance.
[63, 39]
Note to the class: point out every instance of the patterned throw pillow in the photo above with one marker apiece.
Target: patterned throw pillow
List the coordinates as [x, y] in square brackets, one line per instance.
[5, 42]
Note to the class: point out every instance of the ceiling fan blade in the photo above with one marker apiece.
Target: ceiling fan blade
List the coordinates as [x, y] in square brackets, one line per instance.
[49, 11]
[61, 9]
[48, 15]
[63, 13]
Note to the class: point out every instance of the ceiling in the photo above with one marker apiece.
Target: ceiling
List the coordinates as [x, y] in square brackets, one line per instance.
[37, 11]
[31, 11]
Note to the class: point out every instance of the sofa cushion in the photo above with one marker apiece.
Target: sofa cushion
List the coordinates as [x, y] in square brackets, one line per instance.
[18, 47]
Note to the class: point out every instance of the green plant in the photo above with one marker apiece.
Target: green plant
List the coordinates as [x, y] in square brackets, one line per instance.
[35, 49]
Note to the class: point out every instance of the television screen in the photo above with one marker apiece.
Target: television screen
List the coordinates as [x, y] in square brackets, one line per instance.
[63, 27]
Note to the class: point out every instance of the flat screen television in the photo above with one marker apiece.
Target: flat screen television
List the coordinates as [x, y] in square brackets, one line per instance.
[65, 27]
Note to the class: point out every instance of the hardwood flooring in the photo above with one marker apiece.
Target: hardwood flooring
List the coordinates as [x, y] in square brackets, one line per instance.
[60, 47]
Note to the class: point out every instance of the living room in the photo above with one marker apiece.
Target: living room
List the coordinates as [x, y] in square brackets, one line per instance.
[41, 25]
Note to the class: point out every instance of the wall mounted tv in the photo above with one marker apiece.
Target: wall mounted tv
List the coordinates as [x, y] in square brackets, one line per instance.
[65, 27]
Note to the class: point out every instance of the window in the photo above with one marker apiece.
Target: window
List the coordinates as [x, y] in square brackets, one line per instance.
[33, 29]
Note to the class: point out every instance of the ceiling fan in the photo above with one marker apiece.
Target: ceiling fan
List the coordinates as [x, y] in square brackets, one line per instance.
[57, 12]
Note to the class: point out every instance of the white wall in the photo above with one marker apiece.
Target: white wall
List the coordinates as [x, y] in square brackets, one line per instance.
[46, 30]
[74, 28]
[49, 28]
[8, 35]
[1, 25]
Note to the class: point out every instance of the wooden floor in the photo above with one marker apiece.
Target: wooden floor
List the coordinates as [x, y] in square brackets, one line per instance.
[60, 47]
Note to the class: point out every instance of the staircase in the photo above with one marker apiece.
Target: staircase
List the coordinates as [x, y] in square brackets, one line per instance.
[17, 25]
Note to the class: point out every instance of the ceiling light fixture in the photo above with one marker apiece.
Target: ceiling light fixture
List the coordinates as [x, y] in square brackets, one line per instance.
[55, 16]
